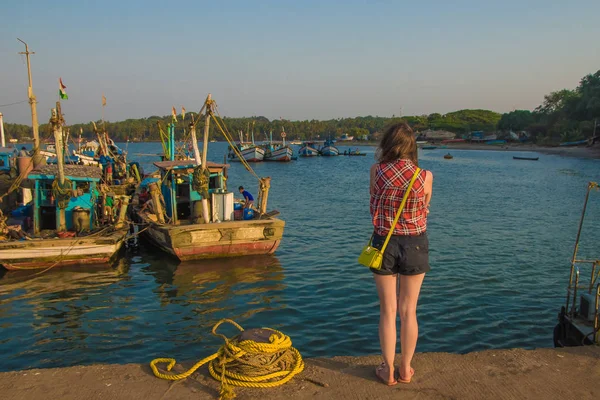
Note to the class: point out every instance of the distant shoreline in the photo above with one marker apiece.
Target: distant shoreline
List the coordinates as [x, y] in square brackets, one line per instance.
[576, 151]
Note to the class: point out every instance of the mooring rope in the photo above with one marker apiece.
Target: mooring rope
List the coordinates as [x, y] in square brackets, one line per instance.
[245, 363]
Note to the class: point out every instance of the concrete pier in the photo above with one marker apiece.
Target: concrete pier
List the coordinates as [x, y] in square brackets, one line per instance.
[572, 373]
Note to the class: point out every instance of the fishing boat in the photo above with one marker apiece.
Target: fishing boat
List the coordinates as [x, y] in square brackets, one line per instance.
[309, 149]
[65, 229]
[526, 158]
[198, 220]
[328, 149]
[429, 147]
[579, 320]
[346, 137]
[448, 156]
[249, 151]
[277, 151]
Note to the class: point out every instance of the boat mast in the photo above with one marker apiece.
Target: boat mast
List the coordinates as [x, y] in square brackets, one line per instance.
[57, 123]
[32, 102]
[208, 113]
[2, 131]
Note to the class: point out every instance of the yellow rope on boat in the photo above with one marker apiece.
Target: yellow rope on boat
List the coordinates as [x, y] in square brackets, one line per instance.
[245, 363]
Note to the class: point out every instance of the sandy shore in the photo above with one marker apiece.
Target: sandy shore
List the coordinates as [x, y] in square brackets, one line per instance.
[571, 373]
[579, 152]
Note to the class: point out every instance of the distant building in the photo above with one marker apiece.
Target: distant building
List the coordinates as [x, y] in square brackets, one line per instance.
[433, 136]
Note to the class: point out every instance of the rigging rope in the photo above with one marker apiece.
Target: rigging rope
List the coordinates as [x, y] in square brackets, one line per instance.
[229, 139]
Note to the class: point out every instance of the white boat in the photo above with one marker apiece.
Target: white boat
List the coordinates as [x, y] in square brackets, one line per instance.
[282, 153]
[277, 151]
[251, 153]
[346, 137]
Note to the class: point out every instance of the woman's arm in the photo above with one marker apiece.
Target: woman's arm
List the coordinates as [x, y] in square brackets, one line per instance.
[372, 179]
[428, 188]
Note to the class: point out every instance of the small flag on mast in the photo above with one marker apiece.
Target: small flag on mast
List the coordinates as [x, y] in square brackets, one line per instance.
[182, 113]
[62, 90]
[103, 101]
[174, 112]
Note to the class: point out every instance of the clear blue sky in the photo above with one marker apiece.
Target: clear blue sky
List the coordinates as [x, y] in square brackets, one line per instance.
[294, 59]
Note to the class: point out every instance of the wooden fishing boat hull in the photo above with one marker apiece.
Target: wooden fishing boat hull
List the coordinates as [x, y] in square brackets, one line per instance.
[216, 240]
[44, 253]
[282, 154]
[330, 151]
[307, 151]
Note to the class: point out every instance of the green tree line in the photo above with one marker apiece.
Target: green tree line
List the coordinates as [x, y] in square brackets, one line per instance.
[564, 115]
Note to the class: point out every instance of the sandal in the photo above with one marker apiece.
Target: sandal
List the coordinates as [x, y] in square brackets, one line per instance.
[402, 380]
[379, 370]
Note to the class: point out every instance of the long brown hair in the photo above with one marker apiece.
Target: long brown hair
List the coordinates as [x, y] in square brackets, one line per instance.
[398, 142]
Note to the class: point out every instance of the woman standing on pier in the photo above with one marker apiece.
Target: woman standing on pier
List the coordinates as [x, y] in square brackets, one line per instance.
[406, 258]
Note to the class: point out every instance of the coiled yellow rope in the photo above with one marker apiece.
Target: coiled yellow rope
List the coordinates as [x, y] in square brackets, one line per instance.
[245, 363]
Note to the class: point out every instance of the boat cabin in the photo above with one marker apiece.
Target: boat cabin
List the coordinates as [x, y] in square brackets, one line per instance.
[177, 187]
[6, 154]
[84, 181]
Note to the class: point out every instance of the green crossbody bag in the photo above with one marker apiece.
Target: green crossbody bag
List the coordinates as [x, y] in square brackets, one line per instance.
[372, 257]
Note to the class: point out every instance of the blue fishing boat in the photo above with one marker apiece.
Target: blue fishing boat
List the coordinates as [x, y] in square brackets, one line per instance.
[329, 149]
[308, 149]
[66, 223]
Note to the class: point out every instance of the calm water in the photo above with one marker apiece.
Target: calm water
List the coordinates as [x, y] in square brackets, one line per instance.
[501, 234]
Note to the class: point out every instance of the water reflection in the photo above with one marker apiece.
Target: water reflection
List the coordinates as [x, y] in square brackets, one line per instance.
[62, 283]
[206, 283]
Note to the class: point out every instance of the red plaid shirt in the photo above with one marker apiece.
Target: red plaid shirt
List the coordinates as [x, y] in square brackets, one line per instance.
[391, 181]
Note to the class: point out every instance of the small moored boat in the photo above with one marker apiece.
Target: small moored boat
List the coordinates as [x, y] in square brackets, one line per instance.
[329, 149]
[308, 149]
[448, 156]
[526, 158]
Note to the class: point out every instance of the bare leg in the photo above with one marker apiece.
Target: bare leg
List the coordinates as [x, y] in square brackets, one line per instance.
[386, 289]
[410, 286]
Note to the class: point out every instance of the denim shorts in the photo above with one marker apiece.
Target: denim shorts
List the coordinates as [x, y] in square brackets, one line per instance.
[404, 255]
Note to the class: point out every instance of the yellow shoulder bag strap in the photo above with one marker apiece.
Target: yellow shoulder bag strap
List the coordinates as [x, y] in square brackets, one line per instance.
[410, 185]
